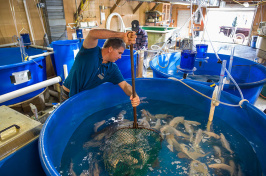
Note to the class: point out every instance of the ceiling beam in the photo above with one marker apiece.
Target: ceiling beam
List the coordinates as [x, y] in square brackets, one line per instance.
[114, 6]
[138, 6]
[156, 5]
[82, 2]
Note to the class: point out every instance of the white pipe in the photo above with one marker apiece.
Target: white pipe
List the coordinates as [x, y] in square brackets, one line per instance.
[122, 25]
[65, 70]
[9, 44]
[39, 55]
[29, 22]
[42, 47]
[26, 90]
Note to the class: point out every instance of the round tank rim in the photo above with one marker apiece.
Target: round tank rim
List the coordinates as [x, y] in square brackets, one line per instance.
[231, 85]
[67, 42]
[2, 67]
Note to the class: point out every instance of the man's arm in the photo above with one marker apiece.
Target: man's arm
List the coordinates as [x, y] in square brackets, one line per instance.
[91, 40]
[127, 88]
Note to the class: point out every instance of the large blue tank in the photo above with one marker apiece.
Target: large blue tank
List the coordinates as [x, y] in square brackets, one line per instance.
[60, 126]
[11, 64]
[249, 75]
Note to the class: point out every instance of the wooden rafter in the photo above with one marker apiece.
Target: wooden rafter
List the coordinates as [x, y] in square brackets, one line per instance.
[156, 5]
[114, 6]
[82, 2]
[138, 6]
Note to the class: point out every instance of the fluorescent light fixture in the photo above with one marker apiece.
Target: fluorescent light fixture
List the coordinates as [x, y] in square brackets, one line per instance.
[246, 4]
[180, 3]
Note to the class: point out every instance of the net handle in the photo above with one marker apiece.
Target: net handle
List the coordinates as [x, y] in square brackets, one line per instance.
[135, 124]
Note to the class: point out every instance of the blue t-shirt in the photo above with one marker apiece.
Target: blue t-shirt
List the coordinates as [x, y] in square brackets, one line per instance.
[88, 71]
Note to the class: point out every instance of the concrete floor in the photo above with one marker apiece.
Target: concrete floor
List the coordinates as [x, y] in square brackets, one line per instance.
[240, 51]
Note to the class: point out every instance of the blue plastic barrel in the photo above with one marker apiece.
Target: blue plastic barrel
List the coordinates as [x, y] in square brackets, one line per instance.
[254, 41]
[249, 75]
[67, 118]
[65, 52]
[101, 42]
[79, 33]
[26, 39]
[187, 59]
[124, 64]
[11, 63]
[201, 50]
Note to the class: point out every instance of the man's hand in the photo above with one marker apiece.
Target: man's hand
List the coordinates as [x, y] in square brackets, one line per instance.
[130, 37]
[135, 101]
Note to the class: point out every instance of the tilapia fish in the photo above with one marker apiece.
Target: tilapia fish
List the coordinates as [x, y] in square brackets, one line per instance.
[147, 114]
[197, 138]
[162, 116]
[211, 134]
[169, 129]
[218, 153]
[198, 168]
[175, 121]
[194, 123]
[157, 125]
[225, 143]
[189, 129]
[224, 167]
[193, 155]
[98, 124]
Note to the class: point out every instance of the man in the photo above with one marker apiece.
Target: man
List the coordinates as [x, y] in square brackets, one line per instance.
[94, 66]
[142, 37]
[141, 44]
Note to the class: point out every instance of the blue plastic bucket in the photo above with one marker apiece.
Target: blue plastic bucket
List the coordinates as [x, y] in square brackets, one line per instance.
[249, 75]
[68, 118]
[79, 33]
[26, 39]
[11, 63]
[65, 52]
[201, 50]
[187, 60]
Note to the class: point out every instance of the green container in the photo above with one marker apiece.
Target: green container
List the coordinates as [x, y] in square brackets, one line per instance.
[263, 92]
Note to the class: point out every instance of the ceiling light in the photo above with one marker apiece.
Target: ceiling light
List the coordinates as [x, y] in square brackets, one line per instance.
[246, 4]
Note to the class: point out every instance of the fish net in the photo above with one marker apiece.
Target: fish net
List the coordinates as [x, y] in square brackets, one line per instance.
[131, 151]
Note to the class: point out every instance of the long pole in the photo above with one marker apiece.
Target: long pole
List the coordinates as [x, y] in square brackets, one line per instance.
[135, 125]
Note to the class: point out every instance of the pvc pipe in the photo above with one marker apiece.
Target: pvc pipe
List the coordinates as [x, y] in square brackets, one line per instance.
[39, 55]
[26, 90]
[65, 71]
[122, 25]
[42, 47]
[221, 81]
[29, 21]
[213, 103]
[9, 44]
[230, 64]
[54, 93]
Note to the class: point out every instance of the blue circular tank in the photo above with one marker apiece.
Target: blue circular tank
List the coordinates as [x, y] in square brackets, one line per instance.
[248, 121]
[249, 75]
[11, 64]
